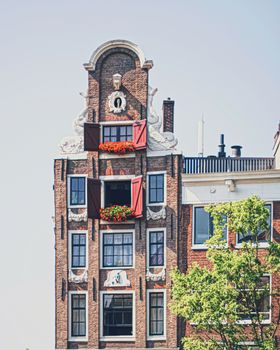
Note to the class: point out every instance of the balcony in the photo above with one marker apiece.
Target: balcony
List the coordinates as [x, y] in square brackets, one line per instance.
[212, 164]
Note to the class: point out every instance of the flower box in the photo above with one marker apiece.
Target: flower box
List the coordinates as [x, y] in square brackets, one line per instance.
[117, 213]
[117, 147]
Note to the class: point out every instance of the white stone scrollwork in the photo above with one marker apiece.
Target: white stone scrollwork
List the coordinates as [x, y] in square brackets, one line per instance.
[77, 217]
[75, 144]
[117, 278]
[155, 277]
[83, 277]
[157, 139]
[156, 215]
[117, 102]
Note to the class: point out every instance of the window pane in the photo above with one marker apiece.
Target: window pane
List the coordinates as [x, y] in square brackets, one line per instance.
[108, 239]
[159, 181]
[201, 226]
[119, 247]
[153, 181]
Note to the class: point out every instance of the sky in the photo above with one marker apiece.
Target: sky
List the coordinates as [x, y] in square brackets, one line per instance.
[219, 59]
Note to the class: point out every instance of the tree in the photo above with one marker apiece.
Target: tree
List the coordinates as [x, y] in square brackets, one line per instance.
[217, 299]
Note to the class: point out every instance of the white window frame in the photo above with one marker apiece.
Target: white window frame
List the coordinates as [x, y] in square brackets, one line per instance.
[261, 244]
[70, 234]
[148, 246]
[270, 303]
[117, 338]
[162, 172]
[156, 337]
[70, 338]
[101, 249]
[69, 189]
[114, 178]
[200, 246]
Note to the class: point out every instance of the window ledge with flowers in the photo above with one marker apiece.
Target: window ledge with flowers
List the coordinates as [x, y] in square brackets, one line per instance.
[117, 213]
[119, 148]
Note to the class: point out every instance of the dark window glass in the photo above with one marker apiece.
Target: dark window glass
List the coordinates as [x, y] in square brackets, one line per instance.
[117, 193]
[117, 249]
[77, 190]
[78, 315]
[262, 236]
[79, 250]
[203, 226]
[156, 188]
[156, 314]
[262, 302]
[156, 248]
[117, 133]
[117, 314]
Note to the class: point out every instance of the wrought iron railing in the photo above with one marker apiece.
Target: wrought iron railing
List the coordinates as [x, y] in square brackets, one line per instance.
[205, 165]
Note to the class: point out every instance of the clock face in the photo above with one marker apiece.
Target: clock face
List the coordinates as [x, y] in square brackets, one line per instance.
[117, 102]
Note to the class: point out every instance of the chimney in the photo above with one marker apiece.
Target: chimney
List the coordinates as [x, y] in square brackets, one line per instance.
[236, 151]
[168, 115]
[222, 153]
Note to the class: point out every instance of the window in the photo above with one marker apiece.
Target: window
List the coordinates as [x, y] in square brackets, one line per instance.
[262, 236]
[117, 249]
[117, 133]
[78, 250]
[262, 304]
[77, 191]
[78, 315]
[156, 188]
[156, 248]
[117, 314]
[117, 193]
[203, 226]
[156, 302]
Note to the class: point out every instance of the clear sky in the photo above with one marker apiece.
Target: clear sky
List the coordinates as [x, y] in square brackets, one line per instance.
[217, 58]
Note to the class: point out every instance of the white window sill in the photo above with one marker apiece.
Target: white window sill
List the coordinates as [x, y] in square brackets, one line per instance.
[156, 267]
[118, 338]
[163, 204]
[78, 339]
[261, 245]
[117, 267]
[77, 206]
[161, 337]
[250, 322]
[103, 222]
[199, 247]
[105, 155]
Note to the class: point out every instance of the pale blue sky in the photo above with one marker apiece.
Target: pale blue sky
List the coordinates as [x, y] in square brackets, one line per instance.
[220, 58]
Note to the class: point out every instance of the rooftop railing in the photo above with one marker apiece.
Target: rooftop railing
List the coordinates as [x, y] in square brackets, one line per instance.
[206, 165]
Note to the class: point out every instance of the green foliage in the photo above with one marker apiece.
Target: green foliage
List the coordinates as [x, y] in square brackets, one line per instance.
[215, 299]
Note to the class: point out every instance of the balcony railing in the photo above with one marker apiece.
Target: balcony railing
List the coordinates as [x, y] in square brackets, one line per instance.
[206, 165]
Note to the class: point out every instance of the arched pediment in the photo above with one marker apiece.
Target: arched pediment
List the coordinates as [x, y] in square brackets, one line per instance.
[90, 66]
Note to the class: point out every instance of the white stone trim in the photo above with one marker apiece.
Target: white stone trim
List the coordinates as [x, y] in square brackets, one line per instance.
[69, 189]
[156, 337]
[119, 43]
[165, 189]
[77, 217]
[118, 338]
[155, 229]
[70, 338]
[72, 277]
[101, 249]
[70, 234]
[156, 215]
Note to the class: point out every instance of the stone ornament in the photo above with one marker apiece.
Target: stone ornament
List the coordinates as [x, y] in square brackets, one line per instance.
[155, 277]
[75, 144]
[117, 102]
[117, 278]
[156, 215]
[157, 139]
[77, 217]
[83, 277]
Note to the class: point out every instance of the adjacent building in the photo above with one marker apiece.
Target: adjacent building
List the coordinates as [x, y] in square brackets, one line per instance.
[129, 208]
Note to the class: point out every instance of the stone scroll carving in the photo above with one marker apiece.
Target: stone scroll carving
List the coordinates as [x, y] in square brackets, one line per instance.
[156, 215]
[83, 277]
[157, 139]
[155, 277]
[75, 144]
[77, 217]
[117, 278]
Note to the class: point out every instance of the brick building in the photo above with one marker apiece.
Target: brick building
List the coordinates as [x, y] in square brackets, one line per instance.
[113, 277]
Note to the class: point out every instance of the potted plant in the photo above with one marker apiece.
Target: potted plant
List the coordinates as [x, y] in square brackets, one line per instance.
[121, 147]
[117, 213]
